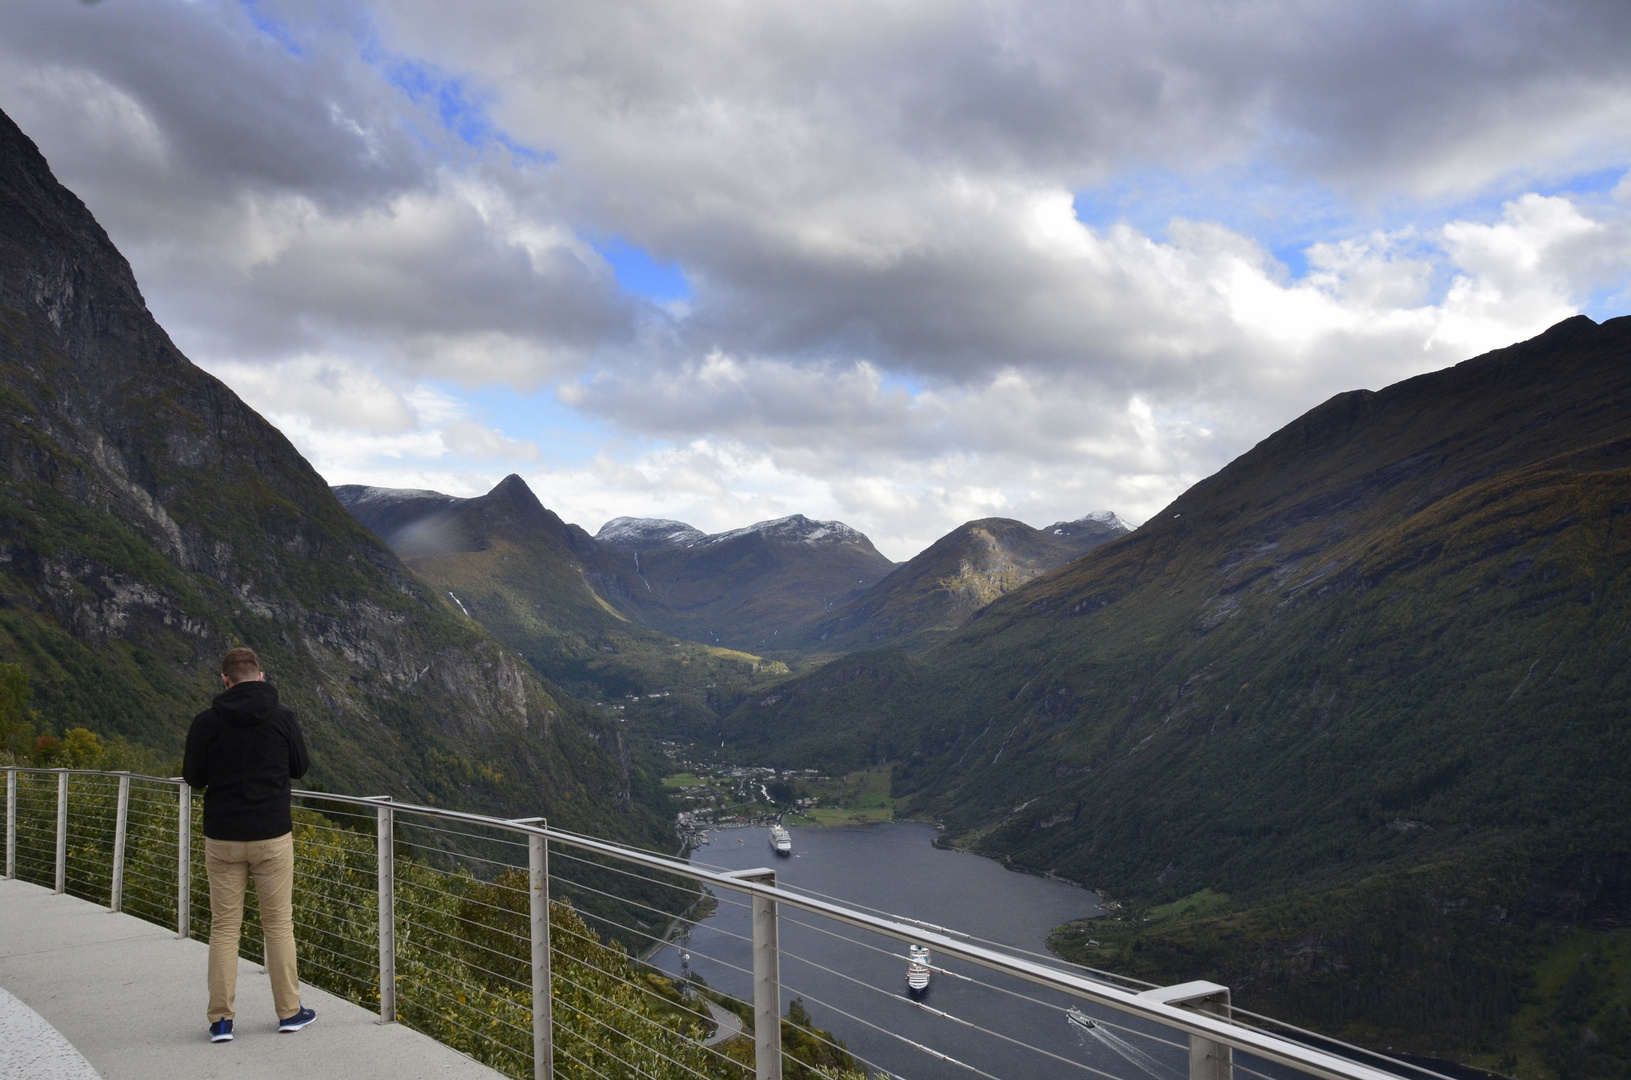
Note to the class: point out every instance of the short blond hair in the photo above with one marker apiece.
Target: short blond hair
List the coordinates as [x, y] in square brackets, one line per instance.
[240, 664]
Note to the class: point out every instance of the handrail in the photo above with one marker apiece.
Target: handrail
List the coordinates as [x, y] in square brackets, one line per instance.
[1145, 1005]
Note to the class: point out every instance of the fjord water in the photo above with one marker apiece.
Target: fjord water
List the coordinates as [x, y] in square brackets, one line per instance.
[895, 868]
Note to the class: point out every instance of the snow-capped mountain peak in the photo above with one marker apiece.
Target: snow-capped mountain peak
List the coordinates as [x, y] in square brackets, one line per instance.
[633, 532]
[1094, 521]
[795, 528]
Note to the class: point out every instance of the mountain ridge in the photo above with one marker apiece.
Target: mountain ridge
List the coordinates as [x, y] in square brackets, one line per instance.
[1367, 681]
[947, 583]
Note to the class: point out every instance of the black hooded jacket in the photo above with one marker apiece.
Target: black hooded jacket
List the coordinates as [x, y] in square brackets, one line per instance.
[243, 751]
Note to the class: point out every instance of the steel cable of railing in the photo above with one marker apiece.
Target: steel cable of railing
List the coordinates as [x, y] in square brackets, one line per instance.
[1017, 950]
[597, 1020]
[694, 952]
[410, 944]
[635, 903]
[443, 853]
[634, 985]
[645, 990]
[1421, 1070]
[619, 870]
[468, 936]
[666, 914]
[445, 830]
[913, 1043]
[817, 1034]
[643, 1018]
[965, 978]
[455, 999]
[581, 1063]
[941, 1013]
[938, 1013]
[1156, 1070]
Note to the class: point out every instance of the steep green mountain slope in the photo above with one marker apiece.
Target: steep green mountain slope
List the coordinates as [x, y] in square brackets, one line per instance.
[149, 520]
[540, 585]
[1388, 641]
[749, 587]
[940, 588]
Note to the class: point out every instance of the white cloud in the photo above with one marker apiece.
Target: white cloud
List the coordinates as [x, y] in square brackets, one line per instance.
[896, 317]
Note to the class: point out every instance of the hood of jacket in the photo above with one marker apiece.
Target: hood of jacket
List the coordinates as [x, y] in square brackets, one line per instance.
[247, 704]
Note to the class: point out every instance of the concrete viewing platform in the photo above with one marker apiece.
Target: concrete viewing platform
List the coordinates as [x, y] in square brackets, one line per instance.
[130, 997]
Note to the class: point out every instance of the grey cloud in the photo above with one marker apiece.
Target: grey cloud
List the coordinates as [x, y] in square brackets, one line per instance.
[856, 192]
[276, 203]
[839, 181]
[235, 110]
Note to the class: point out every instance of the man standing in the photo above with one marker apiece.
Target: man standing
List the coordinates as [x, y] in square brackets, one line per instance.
[243, 751]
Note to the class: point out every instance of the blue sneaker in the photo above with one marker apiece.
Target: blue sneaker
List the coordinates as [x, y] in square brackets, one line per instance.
[298, 1020]
[221, 1031]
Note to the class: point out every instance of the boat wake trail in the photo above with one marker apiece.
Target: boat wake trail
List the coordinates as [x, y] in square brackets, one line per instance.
[1132, 1053]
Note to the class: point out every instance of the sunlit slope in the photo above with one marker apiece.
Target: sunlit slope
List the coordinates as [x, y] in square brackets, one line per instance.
[1406, 606]
[942, 587]
[547, 590]
[150, 520]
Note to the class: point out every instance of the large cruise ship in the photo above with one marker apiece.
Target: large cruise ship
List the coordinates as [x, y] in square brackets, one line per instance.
[917, 972]
[781, 840]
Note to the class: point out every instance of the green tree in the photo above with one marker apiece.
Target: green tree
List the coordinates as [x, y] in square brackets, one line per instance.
[17, 734]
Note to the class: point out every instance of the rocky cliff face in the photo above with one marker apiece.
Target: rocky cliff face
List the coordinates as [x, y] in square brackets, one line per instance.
[149, 520]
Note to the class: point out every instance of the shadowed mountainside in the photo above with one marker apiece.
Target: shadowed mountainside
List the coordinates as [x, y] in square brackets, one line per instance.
[1369, 681]
[150, 520]
[747, 588]
[942, 587]
[737, 590]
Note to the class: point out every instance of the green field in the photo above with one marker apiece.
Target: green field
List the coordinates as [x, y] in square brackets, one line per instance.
[681, 780]
[860, 798]
[1202, 903]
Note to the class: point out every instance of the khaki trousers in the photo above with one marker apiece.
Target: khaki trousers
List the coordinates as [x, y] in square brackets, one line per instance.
[231, 863]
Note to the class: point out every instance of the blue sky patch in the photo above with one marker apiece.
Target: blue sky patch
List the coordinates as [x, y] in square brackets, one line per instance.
[272, 28]
[638, 273]
[459, 107]
[564, 436]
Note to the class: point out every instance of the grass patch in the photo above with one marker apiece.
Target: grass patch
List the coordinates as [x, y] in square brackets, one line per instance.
[834, 815]
[860, 798]
[1577, 1019]
[682, 780]
[1195, 904]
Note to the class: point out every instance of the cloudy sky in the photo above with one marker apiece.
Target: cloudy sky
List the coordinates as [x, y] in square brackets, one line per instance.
[897, 263]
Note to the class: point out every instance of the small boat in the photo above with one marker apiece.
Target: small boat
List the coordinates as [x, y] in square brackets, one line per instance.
[781, 840]
[917, 971]
[1080, 1019]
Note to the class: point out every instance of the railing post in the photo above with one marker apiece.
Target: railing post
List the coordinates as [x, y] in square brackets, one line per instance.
[543, 1021]
[121, 822]
[184, 862]
[767, 983]
[11, 823]
[1208, 1060]
[62, 830]
[387, 911]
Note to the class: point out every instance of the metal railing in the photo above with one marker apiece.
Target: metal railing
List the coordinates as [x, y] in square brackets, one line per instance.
[446, 921]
